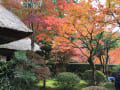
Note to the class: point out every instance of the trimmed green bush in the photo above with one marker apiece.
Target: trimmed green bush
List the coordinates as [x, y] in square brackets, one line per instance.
[67, 79]
[109, 85]
[87, 75]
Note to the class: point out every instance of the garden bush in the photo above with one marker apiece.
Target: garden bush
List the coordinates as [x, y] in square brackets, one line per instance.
[109, 85]
[6, 75]
[100, 77]
[17, 73]
[81, 85]
[67, 80]
[115, 70]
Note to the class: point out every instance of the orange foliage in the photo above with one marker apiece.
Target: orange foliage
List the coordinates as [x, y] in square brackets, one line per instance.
[115, 56]
[60, 22]
[80, 21]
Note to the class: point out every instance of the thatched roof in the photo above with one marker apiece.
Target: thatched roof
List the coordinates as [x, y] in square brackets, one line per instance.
[11, 27]
[23, 44]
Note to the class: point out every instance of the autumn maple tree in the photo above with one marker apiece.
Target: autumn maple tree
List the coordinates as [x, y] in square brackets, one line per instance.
[33, 13]
[82, 27]
[110, 43]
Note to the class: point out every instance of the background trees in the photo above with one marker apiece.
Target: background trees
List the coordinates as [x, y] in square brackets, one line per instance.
[66, 25]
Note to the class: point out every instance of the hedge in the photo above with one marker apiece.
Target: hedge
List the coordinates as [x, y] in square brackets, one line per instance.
[77, 68]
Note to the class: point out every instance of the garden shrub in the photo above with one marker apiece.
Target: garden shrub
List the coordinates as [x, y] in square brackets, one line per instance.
[67, 80]
[6, 75]
[100, 77]
[17, 73]
[24, 74]
[94, 88]
[109, 85]
[115, 70]
[81, 85]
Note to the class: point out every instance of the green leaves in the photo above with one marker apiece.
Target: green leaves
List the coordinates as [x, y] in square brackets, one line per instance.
[24, 74]
[71, 39]
[20, 55]
[54, 1]
[116, 69]
[17, 72]
[67, 79]
[45, 51]
[30, 3]
[6, 74]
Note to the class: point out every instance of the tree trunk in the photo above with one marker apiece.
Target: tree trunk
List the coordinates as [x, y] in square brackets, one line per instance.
[106, 64]
[32, 38]
[44, 83]
[31, 27]
[92, 66]
[102, 64]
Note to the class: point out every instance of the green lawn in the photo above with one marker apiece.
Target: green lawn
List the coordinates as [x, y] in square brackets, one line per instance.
[51, 83]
